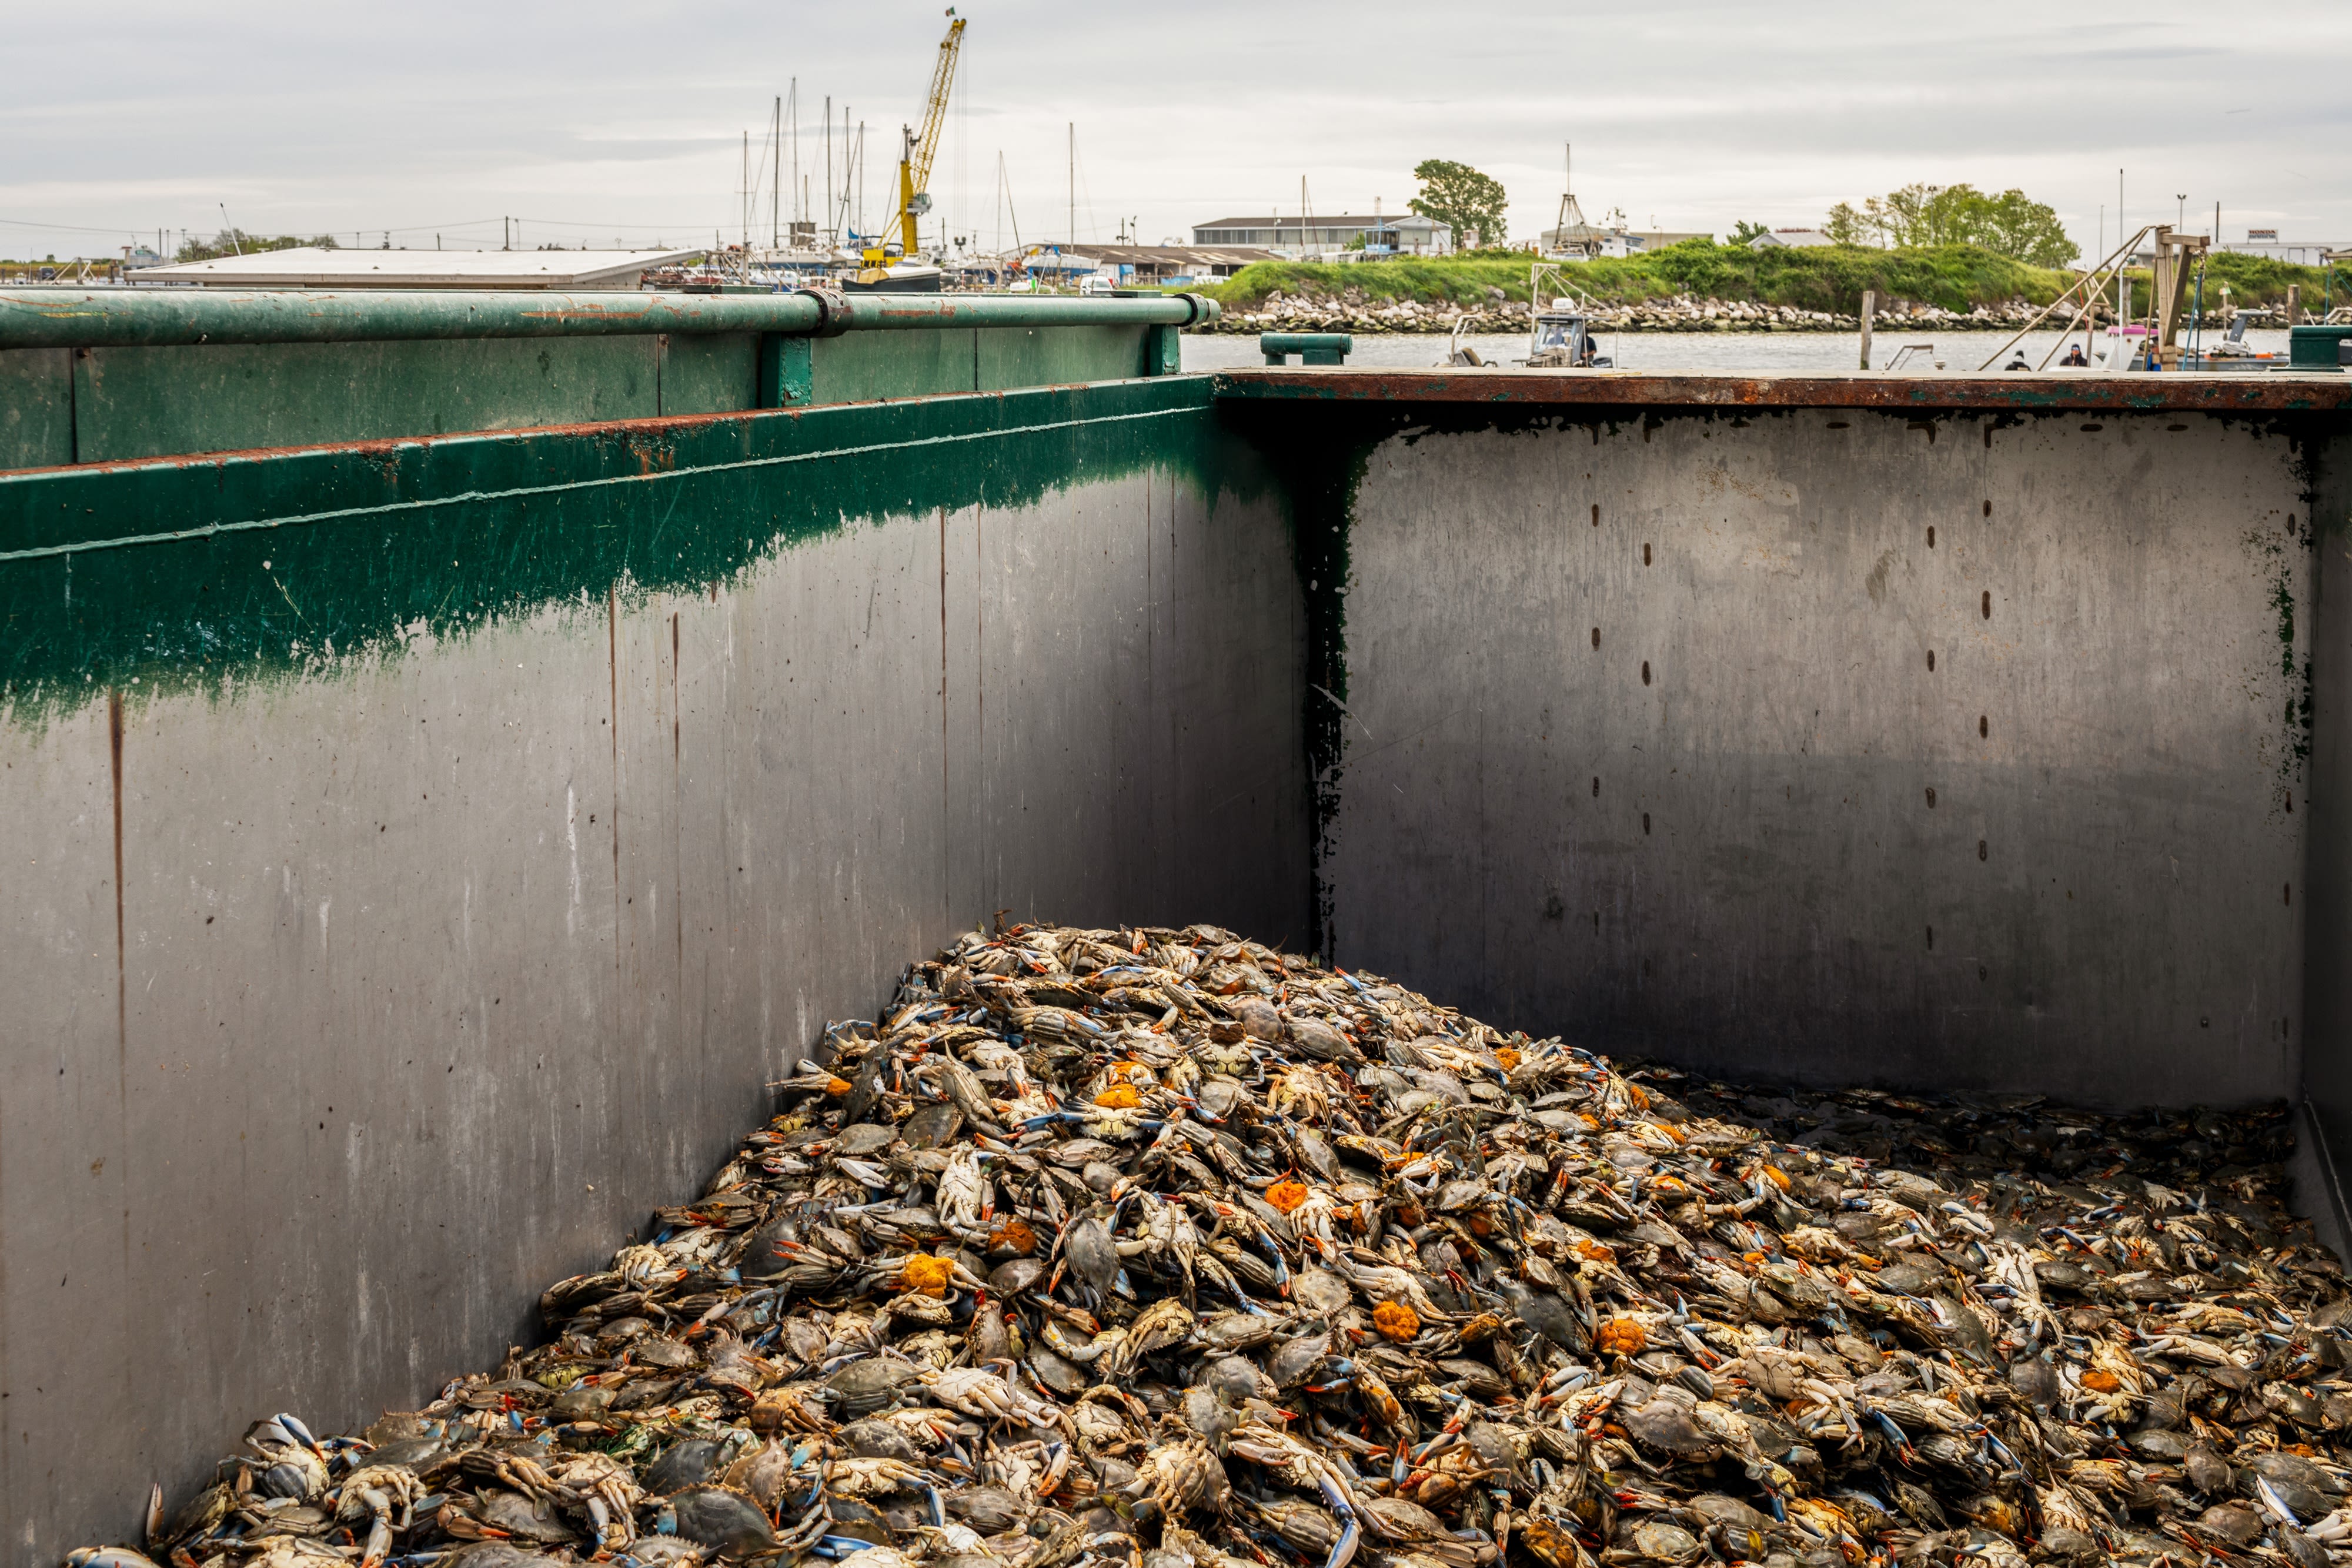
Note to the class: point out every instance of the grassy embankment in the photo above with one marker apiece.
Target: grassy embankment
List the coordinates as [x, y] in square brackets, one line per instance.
[1957, 278]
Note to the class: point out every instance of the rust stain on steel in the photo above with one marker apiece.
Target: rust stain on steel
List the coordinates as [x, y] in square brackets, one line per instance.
[2156, 392]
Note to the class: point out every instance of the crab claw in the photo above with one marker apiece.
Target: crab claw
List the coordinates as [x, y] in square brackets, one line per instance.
[1344, 1549]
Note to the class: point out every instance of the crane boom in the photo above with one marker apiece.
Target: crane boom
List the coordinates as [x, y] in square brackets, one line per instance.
[915, 168]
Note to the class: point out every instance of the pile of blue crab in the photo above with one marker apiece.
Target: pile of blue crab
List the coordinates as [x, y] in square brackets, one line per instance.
[1160, 1248]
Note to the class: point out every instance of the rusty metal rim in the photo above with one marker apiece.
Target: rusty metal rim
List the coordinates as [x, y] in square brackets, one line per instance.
[2154, 393]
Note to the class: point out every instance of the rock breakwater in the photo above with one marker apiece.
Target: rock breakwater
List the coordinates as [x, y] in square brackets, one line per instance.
[1680, 313]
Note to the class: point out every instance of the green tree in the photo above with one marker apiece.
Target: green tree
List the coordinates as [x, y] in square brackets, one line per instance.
[1920, 216]
[1463, 199]
[1846, 227]
[2014, 224]
[1745, 230]
[1914, 214]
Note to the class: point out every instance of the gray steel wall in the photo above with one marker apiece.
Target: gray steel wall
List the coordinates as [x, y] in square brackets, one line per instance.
[441, 969]
[1712, 838]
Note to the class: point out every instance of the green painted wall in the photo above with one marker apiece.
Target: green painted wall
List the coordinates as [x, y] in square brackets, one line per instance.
[193, 571]
[35, 407]
[147, 402]
[104, 405]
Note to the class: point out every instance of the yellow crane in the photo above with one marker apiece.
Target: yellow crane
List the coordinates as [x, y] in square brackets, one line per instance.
[918, 152]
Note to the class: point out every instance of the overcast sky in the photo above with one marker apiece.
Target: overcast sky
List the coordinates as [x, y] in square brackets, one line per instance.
[601, 122]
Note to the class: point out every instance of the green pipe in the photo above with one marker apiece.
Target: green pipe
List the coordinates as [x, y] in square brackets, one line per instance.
[153, 318]
[1312, 348]
[871, 312]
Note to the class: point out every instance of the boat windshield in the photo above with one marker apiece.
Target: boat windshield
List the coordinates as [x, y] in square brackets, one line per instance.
[1556, 331]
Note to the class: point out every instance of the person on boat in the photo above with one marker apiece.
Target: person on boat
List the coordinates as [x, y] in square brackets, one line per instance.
[2017, 364]
[2074, 359]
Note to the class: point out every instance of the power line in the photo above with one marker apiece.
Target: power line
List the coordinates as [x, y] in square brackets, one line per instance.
[70, 228]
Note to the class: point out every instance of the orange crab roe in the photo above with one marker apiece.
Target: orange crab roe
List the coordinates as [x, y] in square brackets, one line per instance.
[1622, 1336]
[1287, 1195]
[1119, 1097]
[1396, 1321]
[1506, 1057]
[928, 1274]
[1014, 1236]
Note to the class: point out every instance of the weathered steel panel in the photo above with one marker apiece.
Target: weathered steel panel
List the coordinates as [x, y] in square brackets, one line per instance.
[1036, 356]
[500, 814]
[709, 373]
[35, 407]
[128, 403]
[1686, 735]
[148, 403]
[867, 365]
[66, 1257]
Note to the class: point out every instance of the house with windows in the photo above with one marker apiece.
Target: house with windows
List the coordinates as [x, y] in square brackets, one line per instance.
[1407, 234]
[2294, 252]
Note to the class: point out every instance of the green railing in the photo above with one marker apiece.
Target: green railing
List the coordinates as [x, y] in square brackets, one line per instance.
[159, 317]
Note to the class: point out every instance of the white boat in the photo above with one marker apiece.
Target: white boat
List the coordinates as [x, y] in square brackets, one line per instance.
[1560, 335]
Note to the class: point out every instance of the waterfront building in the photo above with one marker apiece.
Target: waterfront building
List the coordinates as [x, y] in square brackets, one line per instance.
[2295, 252]
[1166, 264]
[1409, 234]
[308, 267]
[1581, 241]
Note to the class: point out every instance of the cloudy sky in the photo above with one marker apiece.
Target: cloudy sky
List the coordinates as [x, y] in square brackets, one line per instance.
[595, 121]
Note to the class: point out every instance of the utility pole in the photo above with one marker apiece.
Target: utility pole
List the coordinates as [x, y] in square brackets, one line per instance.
[1074, 185]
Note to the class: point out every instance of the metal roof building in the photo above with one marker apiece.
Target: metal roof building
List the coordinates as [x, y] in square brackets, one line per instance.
[1149, 262]
[1790, 239]
[308, 267]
